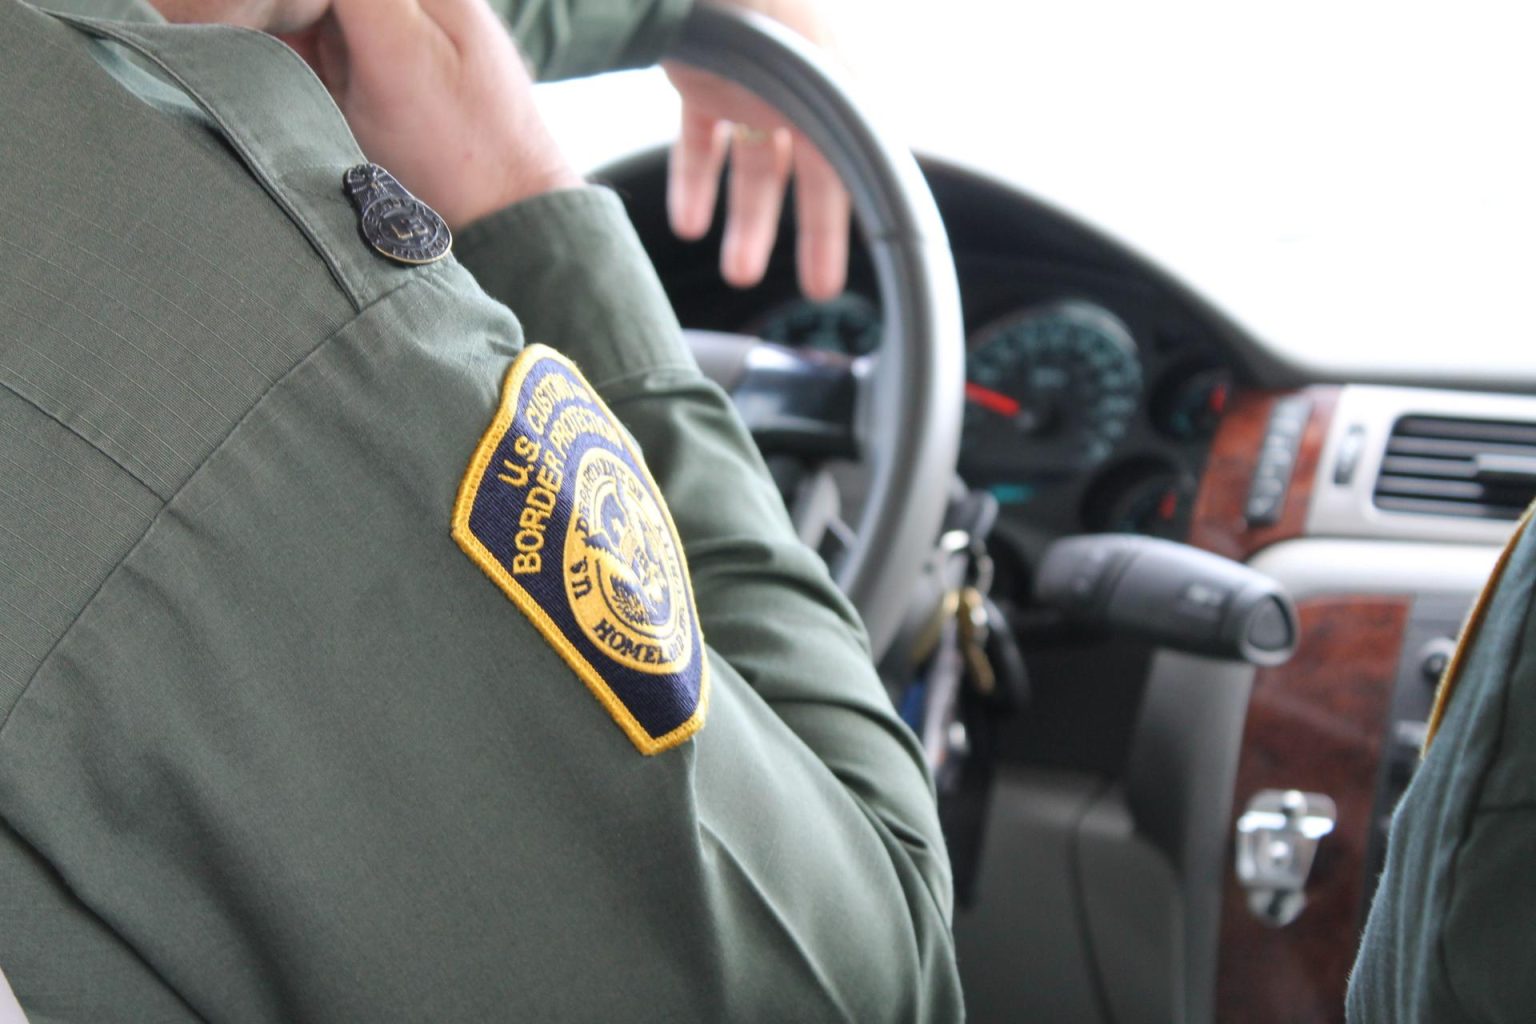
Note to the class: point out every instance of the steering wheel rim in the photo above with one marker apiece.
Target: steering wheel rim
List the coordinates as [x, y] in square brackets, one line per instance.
[916, 397]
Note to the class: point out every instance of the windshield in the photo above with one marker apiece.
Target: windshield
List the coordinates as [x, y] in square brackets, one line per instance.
[1353, 182]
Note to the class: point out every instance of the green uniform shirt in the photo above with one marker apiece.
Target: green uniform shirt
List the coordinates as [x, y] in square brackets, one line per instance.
[272, 747]
[1449, 935]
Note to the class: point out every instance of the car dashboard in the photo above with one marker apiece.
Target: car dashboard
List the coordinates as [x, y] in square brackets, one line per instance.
[1104, 396]
[1092, 393]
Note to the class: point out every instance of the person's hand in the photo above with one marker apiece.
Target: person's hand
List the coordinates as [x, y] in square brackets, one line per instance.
[435, 91]
[719, 117]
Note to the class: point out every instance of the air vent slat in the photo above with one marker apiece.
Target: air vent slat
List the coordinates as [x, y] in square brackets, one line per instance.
[1425, 487]
[1487, 431]
[1425, 506]
[1430, 467]
[1454, 448]
[1450, 469]
[1461, 490]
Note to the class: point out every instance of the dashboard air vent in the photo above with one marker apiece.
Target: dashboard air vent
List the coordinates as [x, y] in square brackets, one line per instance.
[1475, 469]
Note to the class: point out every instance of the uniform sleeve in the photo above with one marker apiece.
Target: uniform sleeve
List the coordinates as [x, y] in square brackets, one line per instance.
[571, 38]
[766, 601]
[300, 758]
[310, 764]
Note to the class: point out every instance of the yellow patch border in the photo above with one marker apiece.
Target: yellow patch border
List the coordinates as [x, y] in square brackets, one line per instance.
[469, 491]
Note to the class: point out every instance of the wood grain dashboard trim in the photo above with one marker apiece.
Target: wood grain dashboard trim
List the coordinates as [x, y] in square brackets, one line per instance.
[1314, 724]
[1219, 523]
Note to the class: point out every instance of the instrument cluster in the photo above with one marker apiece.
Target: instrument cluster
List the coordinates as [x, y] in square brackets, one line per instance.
[1077, 417]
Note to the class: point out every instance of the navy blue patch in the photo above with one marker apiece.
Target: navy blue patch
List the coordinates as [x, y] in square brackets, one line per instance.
[558, 508]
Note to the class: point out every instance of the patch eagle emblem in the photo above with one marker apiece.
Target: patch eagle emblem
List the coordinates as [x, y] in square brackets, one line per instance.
[559, 510]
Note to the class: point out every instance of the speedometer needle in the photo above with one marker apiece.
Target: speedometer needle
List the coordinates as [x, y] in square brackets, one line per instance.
[993, 401]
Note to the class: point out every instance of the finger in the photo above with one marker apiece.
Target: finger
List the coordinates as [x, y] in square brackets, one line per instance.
[821, 224]
[324, 49]
[379, 22]
[385, 39]
[468, 23]
[693, 176]
[759, 173]
[715, 97]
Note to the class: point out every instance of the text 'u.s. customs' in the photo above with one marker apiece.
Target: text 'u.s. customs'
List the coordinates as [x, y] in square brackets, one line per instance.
[558, 509]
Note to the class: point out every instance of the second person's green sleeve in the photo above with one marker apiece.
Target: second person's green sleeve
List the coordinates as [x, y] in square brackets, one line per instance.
[572, 38]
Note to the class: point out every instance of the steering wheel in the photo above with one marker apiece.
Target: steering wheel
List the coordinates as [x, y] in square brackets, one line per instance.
[900, 411]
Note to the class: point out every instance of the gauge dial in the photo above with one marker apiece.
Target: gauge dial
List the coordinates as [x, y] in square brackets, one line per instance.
[1150, 497]
[1190, 402]
[849, 324]
[1049, 393]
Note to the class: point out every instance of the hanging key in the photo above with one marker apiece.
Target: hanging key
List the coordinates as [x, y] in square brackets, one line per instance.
[975, 630]
[928, 639]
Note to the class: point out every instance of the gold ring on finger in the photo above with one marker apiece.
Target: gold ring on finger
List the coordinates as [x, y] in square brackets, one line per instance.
[750, 136]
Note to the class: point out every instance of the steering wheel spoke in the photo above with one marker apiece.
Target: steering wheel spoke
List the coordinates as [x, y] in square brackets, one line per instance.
[794, 401]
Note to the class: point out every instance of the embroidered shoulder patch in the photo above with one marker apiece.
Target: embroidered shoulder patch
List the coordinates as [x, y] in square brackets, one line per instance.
[558, 509]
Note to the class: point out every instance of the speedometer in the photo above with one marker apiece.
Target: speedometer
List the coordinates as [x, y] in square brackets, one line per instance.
[1049, 393]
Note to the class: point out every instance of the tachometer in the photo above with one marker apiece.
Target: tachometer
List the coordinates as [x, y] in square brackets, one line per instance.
[1048, 393]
